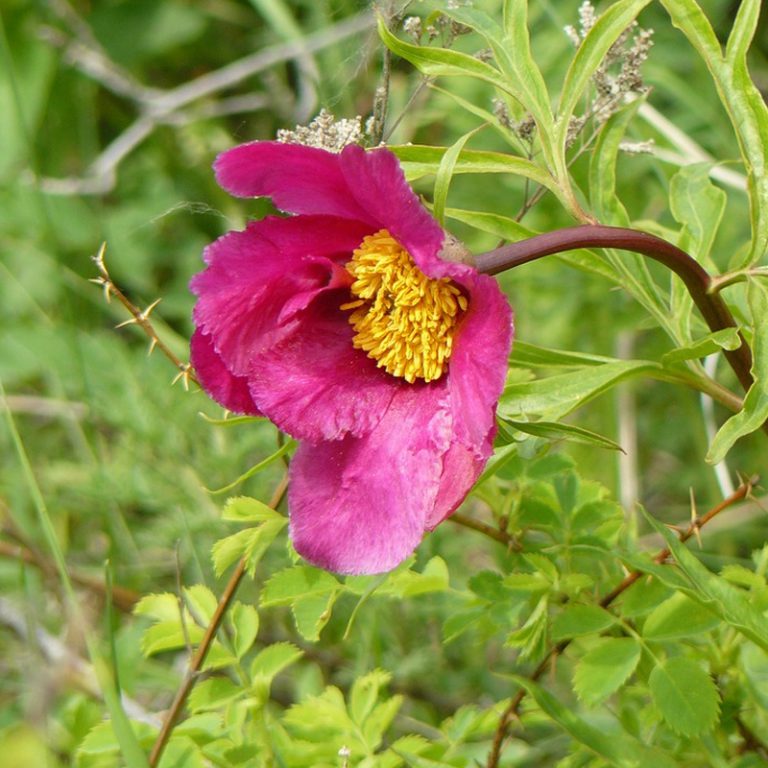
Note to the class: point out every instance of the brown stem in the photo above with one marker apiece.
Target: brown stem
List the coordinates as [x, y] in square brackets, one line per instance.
[198, 658]
[695, 526]
[697, 280]
[488, 530]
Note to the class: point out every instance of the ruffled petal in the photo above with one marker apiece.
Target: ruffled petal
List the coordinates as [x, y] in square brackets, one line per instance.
[214, 377]
[474, 383]
[259, 279]
[360, 505]
[379, 187]
[314, 384]
[298, 179]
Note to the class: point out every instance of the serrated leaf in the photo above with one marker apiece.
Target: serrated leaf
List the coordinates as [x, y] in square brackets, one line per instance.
[244, 509]
[580, 620]
[170, 636]
[244, 620]
[604, 669]
[273, 659]
[214, 693]
[685, 695]
[531, 638]
[312, 613]
[365, 693]
[679, 617]
[297, 582]
[201, 603]
[732, 605]
[609, 741]
[250, 543]
[161, 607]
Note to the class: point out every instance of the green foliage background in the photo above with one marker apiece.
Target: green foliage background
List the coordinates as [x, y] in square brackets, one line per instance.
[106, 465]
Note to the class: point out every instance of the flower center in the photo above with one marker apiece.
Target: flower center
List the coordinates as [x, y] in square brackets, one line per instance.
[403, 319]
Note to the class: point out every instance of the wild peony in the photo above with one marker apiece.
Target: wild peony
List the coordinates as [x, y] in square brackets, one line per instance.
[345, 325]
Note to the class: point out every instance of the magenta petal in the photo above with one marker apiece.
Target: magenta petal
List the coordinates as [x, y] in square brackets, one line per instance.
[258, 279]
[380, 188]
[298, 179]
[360, 505]
[226, 389]
[315, 385]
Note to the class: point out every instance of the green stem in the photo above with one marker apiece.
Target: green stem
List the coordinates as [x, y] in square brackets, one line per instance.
[697, 280]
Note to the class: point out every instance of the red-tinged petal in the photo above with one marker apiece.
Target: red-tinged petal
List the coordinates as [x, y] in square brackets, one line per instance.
[226, 389]
[478, 363]
[360, 505]
[298, 179]
[379, 187]
[259, 279]
[315, 385]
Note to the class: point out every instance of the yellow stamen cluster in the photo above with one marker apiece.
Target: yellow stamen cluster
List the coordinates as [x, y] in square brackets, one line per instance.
[403, 319]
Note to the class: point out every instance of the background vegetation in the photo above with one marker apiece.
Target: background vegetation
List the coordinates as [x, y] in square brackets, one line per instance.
[111, 113]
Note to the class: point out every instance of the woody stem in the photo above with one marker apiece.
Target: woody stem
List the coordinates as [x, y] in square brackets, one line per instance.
[697, 280]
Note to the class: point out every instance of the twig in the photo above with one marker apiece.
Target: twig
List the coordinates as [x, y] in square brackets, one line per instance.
[141, 318]
[512, 710]
[198, 659]
[157, 107]
[488, 530]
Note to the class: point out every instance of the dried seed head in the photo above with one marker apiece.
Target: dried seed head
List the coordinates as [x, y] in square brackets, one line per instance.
[325, 132]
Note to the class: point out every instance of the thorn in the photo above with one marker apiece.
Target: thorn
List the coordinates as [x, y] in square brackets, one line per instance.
[106, 285]
[98, 259]
[152, 345]
[129, 321]
[695, 520]
[148, 311]
[185, 371]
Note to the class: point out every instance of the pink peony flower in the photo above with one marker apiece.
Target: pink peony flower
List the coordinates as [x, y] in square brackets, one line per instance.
[345, 327]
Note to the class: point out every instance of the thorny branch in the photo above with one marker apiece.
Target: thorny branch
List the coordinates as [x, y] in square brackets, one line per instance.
[141, 318]
[697, 523]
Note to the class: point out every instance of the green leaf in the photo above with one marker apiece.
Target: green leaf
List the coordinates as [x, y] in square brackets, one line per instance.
[685, 695]
[698, 205]
[732, 605]
[531, 638]
[444, 175]
[755, 411]
[579, 620]
[740, 97]
[441, 62]
[608, 741]
[298, 582]
[727, 338]
[551, 430]
[418, 161]
[604, 669]
[273, 659]
[244, 620]
[524, 353]
[250, 543]
[365, 694]
[679, 617]
[244, 509]
[201, 603]
[606, 204]
[493, 223]
[555, 396]
[589, 56]
[312, 613]
[214, 693]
